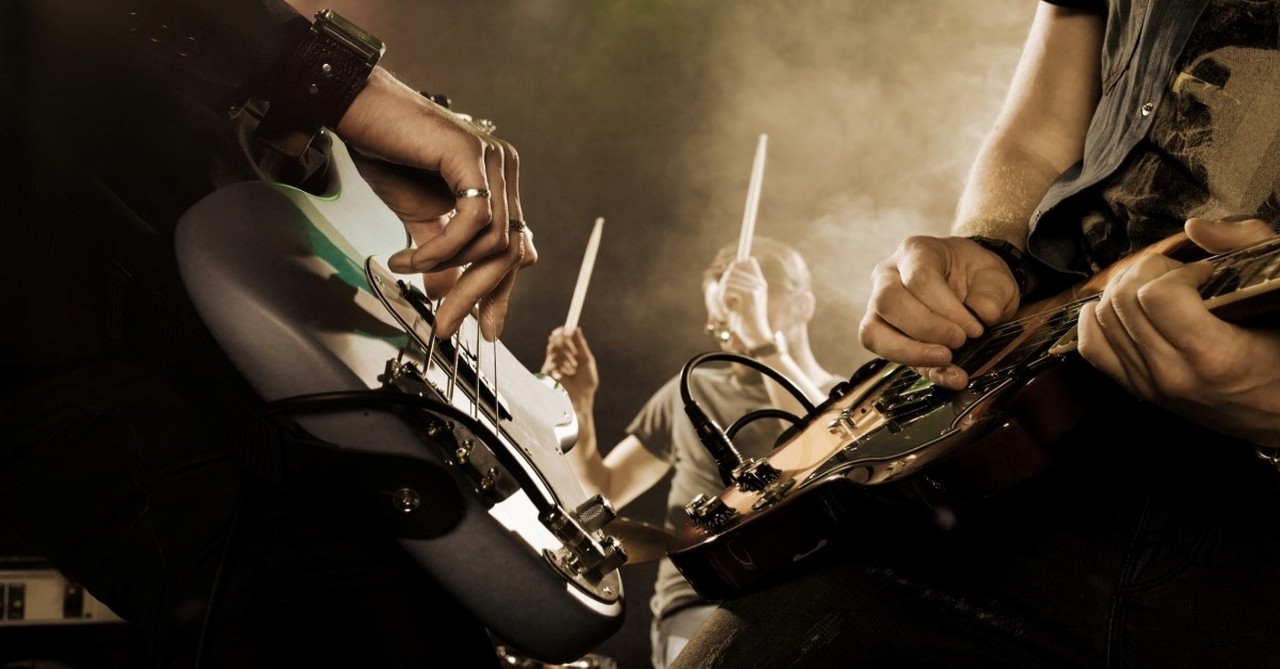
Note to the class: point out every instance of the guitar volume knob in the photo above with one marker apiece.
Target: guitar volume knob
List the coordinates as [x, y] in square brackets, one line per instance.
[595, 513]
[709, 513]
[755, 474]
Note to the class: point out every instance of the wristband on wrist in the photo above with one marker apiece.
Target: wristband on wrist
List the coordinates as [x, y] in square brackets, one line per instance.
[776, 347]
[1019, 264]
[317, 83]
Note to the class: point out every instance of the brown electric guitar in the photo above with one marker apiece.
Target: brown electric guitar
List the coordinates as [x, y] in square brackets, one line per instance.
[889, 433]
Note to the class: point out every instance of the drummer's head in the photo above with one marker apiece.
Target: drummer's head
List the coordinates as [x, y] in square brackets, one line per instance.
[790, 287]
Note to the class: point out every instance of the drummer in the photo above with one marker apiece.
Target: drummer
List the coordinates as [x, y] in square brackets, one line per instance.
[760, 307]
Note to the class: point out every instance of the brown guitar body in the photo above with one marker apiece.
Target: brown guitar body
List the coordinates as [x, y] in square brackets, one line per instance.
[889, 439]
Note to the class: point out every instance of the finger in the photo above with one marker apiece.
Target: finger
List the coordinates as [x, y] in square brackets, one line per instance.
[511, 174]
[948, 376]
[437, 284]
[1129, 364]
[492, 235]
[1177, 311]
[414, 194]
[1227, 234]
[880, 337]
[991, 298]
[561, 346]
[913, 310]
[580, 340]
[1094, 346]
[494, 305]
[1125, 322]
[927, 270]
[478, 226]
[487, 283]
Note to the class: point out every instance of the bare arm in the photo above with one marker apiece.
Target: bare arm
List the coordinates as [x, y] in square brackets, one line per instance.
[629, 469]
[934, 293]
[1040, 130]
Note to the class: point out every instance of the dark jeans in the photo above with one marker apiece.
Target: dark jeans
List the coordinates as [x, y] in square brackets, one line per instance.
[1151, 544]
[108, 471]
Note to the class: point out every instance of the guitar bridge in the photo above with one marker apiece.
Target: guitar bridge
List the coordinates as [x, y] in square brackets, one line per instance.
[479, 466]
[582, 554]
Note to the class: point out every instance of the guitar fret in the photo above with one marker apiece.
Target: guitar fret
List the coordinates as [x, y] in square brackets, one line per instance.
[1260, 269]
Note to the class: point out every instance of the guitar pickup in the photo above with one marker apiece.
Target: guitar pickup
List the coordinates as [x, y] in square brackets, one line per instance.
[905, 403]
[456, 363]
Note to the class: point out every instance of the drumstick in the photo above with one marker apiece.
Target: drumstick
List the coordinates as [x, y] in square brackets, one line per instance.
[584, 277]
[753, 200]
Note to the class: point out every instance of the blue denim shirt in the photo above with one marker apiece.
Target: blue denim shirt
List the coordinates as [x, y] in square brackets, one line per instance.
[1141, 46]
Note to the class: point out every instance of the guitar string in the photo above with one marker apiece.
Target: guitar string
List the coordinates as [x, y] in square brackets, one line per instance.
[453, 368]
[431, 345]
[1003, 333]
[475, 406]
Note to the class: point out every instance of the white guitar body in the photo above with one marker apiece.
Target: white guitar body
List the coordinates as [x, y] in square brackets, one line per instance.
[295, 289]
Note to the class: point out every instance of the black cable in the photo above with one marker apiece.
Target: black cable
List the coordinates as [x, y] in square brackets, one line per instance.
[724, 356]
[759, 414]
[715, 439]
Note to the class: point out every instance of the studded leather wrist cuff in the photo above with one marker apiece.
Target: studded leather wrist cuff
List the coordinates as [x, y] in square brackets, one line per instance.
[318, 82]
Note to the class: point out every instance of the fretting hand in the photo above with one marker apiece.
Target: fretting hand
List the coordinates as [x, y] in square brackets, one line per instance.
[1151, 332]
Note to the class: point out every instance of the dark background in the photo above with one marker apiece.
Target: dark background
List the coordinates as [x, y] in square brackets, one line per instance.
[647, 113]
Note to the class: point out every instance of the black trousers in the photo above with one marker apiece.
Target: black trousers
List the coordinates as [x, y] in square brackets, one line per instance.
[109, 471]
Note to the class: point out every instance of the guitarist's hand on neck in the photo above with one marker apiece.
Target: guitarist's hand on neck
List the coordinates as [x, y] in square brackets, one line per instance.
[932, 295]
[1152, 333]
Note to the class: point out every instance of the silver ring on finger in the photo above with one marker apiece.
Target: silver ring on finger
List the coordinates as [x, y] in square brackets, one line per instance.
[471, 192]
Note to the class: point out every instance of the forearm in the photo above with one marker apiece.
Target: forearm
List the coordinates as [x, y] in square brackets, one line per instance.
[1041, 129]
[1004, 186]
[584, 458]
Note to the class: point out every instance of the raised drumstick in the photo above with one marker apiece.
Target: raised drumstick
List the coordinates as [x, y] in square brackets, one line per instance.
[753, 200]
[584, 277]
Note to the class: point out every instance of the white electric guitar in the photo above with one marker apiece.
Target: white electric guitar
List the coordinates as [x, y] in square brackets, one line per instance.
[296, 290]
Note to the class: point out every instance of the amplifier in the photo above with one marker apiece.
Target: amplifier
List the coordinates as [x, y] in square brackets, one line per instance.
[34, 593]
